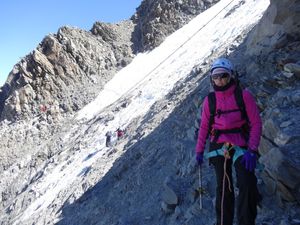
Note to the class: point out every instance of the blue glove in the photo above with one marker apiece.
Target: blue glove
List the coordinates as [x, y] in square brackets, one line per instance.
[249, 160]
[199, 158]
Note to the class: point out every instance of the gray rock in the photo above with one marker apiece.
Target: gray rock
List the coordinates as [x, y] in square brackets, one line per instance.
[66, 71]
[169, 196]
[292, 68]
[164, 18]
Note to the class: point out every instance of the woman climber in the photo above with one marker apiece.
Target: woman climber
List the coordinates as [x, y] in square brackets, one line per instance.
[234, 129]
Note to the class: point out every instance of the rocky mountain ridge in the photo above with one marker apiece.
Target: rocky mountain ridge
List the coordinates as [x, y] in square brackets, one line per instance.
[69, 68]
[66, 71]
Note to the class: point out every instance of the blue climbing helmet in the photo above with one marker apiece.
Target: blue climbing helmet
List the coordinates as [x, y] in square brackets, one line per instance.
[222, 63]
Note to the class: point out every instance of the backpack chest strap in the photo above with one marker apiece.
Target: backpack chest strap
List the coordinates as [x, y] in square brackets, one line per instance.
[220, 112]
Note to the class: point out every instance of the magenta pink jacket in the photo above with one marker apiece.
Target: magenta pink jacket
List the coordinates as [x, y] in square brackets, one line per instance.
[226, 101]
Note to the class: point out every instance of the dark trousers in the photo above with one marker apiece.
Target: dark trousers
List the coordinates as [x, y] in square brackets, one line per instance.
[248, 193]
[108, 141]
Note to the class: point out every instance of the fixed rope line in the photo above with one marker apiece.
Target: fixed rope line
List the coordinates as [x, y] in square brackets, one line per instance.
[148, 74]
[225, 176]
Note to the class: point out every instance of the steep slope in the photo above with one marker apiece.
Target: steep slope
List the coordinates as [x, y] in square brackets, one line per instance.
[137, 189]
[75, 159]
[133, 191]
[155, 162]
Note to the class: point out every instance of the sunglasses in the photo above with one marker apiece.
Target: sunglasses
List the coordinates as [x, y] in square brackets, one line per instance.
[219, 76]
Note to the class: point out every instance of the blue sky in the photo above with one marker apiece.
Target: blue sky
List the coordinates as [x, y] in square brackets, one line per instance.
[24, 24]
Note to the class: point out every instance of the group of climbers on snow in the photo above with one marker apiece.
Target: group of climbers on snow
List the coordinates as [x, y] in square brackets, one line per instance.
[113, 137]
[230, 120]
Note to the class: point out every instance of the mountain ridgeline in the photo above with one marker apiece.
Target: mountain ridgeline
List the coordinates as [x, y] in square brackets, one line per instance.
[68, 69]
[150, 176]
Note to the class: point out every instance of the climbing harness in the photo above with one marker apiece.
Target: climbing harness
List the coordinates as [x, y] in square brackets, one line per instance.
[238, 151]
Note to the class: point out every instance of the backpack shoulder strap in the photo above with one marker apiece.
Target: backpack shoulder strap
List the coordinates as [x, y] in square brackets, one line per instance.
[238, 94]
[212, 108]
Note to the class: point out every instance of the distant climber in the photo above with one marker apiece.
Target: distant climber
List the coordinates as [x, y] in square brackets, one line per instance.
[108, 142]
[43, 108]
[231, 120]
[120, 133]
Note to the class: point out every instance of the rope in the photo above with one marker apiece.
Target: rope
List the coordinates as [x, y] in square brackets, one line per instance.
[226, 157]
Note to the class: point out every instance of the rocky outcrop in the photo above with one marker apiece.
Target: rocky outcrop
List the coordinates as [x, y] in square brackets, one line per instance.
[280, 142]
[157, 19]
[278, 28]
[271, 68]
[66, 71]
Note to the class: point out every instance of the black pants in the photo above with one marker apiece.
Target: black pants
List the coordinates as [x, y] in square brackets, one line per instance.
[248, 193]
[108, 141]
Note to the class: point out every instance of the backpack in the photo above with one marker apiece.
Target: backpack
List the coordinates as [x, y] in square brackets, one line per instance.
[238, 93]
[244, 130]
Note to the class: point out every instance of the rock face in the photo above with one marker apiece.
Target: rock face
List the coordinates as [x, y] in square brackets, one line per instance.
[278, 28]
[157, 19]
[273, 62]
[280, 141]
[66, 71]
